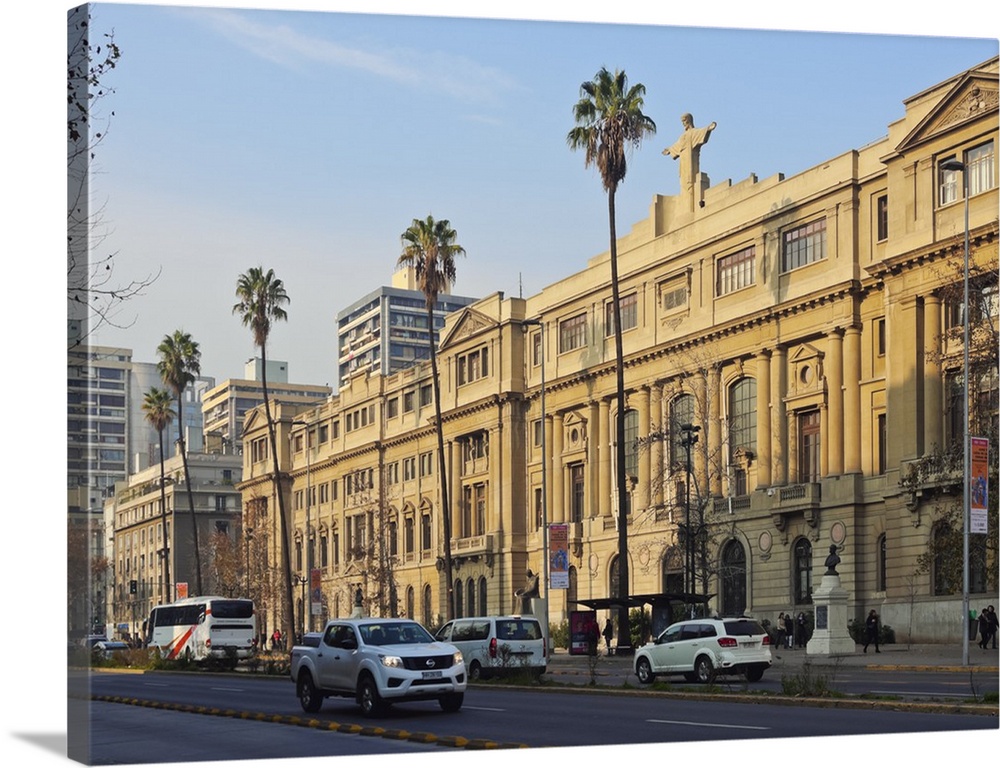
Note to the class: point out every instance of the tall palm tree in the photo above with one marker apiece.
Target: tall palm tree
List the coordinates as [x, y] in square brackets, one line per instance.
[180, 363]
[157, 406]
[609, 124]
[261, 299]
[429, 247]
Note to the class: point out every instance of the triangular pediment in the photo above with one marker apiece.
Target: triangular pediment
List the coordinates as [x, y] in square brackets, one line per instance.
[253, 421]
[973, 96]
[803, 352]
[469, 323]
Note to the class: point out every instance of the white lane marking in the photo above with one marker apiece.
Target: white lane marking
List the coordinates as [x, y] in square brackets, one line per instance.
[234, 690]
[157, 685]
[485, 709]
[921, 693]
[712, 725]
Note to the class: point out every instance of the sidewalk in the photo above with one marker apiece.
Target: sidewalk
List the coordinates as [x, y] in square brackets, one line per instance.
[916, 657]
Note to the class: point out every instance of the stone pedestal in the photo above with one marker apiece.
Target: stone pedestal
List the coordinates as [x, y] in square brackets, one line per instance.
[830, 635]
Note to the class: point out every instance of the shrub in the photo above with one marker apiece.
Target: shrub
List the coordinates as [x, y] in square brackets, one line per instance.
[559, 634]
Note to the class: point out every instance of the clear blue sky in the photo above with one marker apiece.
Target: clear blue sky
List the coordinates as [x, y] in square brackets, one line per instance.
[308, 143]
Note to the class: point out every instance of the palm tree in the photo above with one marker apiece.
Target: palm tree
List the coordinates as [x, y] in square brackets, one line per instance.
[429, 247]
[180, 363]
[156, 404]
[609, 123]
[261, 298]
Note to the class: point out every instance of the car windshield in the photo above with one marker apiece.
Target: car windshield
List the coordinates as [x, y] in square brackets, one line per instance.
[394, 633]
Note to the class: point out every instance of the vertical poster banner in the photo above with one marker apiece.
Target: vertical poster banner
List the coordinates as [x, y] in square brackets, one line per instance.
[315, 591]
[979, 485]
[558, 556]
[182, 590]
[583, 632]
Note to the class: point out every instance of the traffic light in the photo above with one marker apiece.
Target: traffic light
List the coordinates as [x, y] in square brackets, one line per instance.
[133, 587]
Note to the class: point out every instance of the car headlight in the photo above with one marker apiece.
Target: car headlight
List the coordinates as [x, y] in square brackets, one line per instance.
[457, 659]
[391, 661]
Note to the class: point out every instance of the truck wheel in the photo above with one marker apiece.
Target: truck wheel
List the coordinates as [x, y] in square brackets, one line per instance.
[644, 671]
[309, 697]
[451, 702]
[368, 698]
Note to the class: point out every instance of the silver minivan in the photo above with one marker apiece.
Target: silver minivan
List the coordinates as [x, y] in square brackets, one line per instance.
[497, 645]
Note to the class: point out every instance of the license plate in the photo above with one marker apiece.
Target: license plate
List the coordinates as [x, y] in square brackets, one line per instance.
[751, 644]
[431, 675]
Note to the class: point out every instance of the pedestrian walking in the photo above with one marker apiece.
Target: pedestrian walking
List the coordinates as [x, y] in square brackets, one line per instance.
[275, 639]
[800, 629]
[984, 628]
[789, 631]
[871, 630]
[609, 632]
[779, 627]
[992, 615]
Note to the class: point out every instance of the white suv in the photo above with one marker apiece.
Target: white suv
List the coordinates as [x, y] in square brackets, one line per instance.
[700, 649]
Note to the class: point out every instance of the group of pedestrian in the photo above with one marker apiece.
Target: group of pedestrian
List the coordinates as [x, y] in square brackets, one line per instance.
[791, 630]
[988, 627]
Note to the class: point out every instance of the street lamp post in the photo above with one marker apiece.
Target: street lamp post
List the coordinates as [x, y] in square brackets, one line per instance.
[955, 165]
[689, 436]
[545, 493]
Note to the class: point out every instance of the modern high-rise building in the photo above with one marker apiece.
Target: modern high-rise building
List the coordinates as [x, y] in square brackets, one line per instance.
[386, 331]
[225, 405]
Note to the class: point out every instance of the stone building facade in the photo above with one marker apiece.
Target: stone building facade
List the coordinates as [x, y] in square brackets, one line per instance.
[800, 323]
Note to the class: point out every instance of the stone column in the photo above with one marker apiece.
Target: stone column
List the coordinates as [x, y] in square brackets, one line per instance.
[641, 496]
[779, 419]
[604, 463]
[558, 475]
[933, 403]
[835, 403]
[593, 459]
[852, 400]
[763, 459]
[657, 473]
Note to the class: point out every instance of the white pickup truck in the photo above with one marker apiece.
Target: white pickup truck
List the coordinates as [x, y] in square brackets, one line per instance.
[377, 662]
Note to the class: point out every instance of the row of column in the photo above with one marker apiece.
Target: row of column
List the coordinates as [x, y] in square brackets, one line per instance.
[776, 457]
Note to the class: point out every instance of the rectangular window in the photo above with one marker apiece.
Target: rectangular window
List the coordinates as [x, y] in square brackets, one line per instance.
[883, 442]
[536, 349]
[407, 402]
[408, 535]
[628, 308]
[392, 408]
[409, 469]
[573, 333]
[480, 515]
[426, 464]
[880, 336]
[803, 245]
[576, 492]
[735, 271]
[473, 366]
[979, 162]
[392, 473]
[426, 395]
[539, 510]
[882, 217]
[809, 439]
[536, 433]
[949, 183]
[674, 294]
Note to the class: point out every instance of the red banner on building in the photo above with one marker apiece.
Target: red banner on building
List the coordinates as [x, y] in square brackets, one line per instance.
[979, 520]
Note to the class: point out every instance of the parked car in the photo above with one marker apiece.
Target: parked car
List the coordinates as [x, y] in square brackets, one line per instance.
[90, 641]
[700, 649]
[107, 648]
[496, 645]
[377, 662]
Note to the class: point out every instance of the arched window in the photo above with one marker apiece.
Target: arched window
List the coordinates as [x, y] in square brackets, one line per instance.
[409, 602]
[802, 574]
[613, 577]
[743, 415]
[458, 598]
[470, 593]
[673, 570]
[482, 596]
[733, 579]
